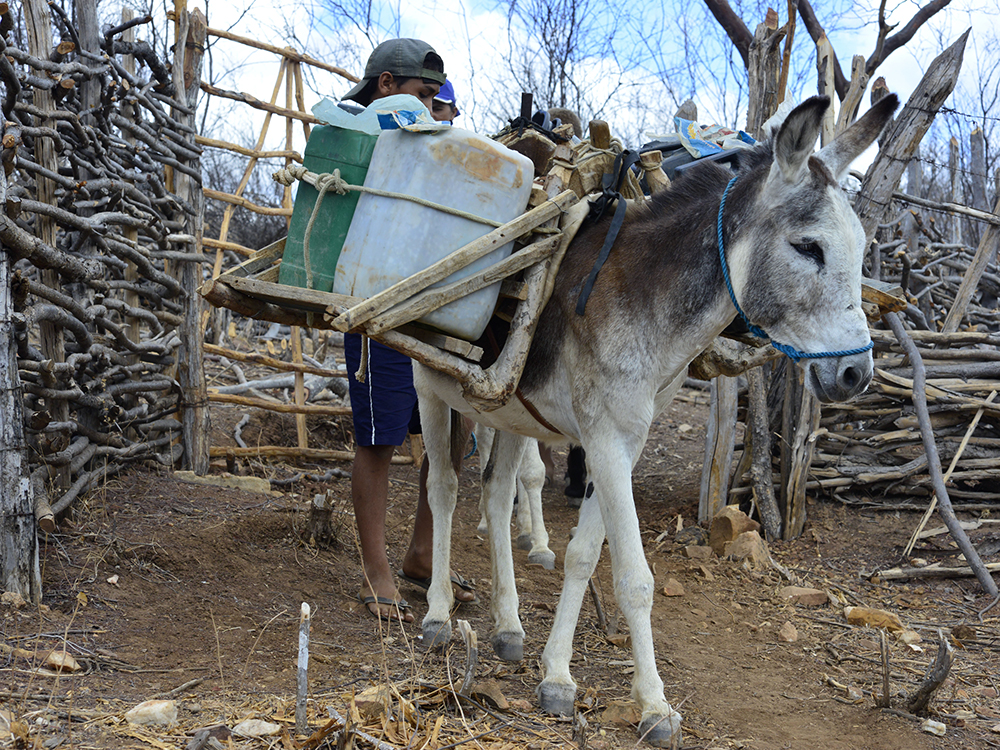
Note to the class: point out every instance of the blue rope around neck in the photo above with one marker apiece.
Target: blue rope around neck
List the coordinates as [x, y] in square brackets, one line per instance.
[757, 331]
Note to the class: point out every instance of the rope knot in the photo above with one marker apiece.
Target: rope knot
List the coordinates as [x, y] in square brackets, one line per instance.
[332, 181]
[287, 175]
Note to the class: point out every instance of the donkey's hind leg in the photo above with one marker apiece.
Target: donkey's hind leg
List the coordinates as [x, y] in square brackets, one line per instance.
[442, 494]
[531, 534]
[484, 446]
[498, 499]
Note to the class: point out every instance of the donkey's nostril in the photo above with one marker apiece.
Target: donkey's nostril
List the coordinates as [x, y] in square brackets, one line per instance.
[850, 377]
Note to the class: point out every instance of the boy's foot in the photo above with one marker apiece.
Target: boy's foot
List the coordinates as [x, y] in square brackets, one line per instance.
[386, 608]
[462, 589]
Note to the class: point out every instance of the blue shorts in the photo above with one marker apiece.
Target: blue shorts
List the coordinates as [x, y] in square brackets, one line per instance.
[385, 405]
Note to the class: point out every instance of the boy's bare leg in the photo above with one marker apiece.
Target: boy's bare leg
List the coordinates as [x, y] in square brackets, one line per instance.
[550, 465]
[370, 492]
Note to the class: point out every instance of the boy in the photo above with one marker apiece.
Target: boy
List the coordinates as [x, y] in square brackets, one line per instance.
[444, 108]
[385, 405]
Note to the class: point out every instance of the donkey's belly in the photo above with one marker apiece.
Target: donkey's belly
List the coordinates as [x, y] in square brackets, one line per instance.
[512, 417]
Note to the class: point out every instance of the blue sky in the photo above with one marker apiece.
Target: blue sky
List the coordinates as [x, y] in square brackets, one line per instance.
[475, 40]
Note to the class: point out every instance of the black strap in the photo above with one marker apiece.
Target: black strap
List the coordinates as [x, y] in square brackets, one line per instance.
[623, 163]
[520, 124]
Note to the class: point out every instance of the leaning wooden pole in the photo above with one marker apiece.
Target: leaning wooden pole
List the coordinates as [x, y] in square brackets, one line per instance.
[934, 462]
[904, 135]
[189, 51]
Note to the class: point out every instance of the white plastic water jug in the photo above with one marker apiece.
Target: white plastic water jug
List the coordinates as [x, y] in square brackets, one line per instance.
[391, 239]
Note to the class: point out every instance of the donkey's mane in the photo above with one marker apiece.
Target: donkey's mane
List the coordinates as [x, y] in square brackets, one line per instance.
[706, 179]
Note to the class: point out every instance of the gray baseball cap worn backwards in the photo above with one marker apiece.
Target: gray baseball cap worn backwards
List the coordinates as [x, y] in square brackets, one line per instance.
[401, 57]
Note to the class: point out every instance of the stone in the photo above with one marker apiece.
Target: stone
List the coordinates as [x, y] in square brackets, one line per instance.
[875, 618]
[256, 728]
[619, 712]
[749, 546]
[673, 587]
[60, 661]
[933, 727]
[373, 702]
[489, 691]
[153, 712]
[12, 599]
[964, 632]
[804, 595]
[727, 526]
[706, 573]
[698, 552]
[909, 637]
[691, 535]
[787, 633]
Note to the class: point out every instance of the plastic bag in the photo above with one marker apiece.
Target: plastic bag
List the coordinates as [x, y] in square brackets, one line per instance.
[389, 113]
[705, 140]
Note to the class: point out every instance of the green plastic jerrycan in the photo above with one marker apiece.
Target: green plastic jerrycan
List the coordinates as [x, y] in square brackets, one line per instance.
[329, 148]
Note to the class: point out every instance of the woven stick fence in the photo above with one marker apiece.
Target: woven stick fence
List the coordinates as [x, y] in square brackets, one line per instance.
[100, 228]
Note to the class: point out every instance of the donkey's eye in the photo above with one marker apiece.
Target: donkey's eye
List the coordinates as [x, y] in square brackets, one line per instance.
[810, 250]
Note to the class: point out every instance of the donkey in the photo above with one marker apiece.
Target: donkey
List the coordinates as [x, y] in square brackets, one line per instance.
[531, 532]
[779, 244]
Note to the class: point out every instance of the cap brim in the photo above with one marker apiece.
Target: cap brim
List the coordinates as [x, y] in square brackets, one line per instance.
[353, 93]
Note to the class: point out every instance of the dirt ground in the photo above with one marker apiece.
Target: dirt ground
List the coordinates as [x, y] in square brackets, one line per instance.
[165, 589]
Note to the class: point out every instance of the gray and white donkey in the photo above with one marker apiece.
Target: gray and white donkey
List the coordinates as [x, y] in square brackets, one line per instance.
[781, 243]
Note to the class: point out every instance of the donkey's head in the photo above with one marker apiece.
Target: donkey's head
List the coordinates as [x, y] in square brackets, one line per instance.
[796, 260]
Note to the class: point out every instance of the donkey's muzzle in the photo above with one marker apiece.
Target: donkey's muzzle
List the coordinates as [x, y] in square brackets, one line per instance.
[833, 379]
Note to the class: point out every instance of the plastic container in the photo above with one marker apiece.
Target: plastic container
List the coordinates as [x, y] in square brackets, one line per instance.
[391, 239]
[328, 148]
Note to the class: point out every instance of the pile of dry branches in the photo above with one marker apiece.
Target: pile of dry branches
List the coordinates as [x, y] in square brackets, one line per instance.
[96, 234]
[870, 450]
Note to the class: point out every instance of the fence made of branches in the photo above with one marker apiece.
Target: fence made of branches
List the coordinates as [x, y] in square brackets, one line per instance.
[101, 260]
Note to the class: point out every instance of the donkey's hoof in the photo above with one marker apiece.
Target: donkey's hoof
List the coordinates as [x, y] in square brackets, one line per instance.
[546, 558]
[556, 698]
[524, 542]
[437, 634]
[508, 646]
[661, 731]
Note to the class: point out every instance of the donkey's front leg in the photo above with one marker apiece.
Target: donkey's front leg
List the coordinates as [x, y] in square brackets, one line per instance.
[442, 494]
[557, 691]
[498, 500]
[660, 725]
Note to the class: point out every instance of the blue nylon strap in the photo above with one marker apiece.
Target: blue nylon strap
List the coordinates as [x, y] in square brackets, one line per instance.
[475, 447]
[757, 331]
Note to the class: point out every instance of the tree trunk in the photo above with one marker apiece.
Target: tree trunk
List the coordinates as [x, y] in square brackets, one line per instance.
[19, 571]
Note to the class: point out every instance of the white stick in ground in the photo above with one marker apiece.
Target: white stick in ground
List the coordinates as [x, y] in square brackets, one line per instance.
[302, 686]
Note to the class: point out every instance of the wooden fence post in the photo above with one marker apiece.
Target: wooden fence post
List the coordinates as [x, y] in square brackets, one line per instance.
[985, 254]
[189, 50]
[720, 439]
[19, 571]
[763, 69]
[38, 21]
[955, 175]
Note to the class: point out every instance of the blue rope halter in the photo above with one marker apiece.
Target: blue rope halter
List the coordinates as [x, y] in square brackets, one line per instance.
[757, 331]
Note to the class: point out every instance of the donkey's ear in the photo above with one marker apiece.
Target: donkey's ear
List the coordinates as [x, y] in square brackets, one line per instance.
[849, 145]
[795, 140]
